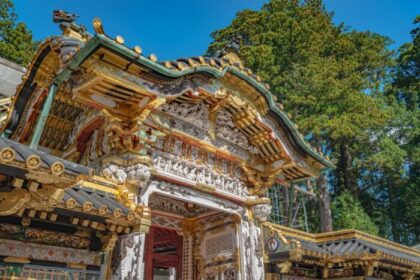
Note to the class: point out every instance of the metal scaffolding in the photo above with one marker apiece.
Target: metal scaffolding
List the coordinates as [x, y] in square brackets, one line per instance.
[289, 206]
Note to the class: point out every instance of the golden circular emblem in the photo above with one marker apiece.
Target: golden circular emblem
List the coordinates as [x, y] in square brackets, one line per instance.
[57, 168]
[7, 155]
[33, 162]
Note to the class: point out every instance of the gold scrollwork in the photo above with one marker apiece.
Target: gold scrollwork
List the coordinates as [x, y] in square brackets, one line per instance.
[12, 202]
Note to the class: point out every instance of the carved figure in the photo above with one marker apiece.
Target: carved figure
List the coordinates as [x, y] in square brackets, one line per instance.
[262, 211]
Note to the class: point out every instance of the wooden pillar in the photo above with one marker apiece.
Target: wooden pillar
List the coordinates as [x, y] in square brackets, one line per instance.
[179, 250]
[148, 253]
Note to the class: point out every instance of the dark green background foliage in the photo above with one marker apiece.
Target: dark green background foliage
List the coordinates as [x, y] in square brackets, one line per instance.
[15, 39]
[354, 98]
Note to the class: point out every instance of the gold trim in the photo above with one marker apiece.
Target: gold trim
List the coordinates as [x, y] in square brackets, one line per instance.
[342, 234]
[77, 266]
[16, 260]
[99, 187]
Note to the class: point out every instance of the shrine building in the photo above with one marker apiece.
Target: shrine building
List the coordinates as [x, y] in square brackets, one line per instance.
[115, 165]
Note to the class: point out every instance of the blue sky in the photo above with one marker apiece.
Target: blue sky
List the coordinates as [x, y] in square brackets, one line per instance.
[173, 29]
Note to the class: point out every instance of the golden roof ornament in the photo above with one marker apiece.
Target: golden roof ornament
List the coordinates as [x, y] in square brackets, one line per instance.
[119, 39]
[153, 57]
[231, 51]
[138, 50]
[97, 25]
[68, 25]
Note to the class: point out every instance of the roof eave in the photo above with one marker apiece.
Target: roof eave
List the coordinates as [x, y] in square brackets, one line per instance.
[101, 39]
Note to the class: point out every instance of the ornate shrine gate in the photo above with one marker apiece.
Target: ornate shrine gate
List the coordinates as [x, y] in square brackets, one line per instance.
[218, 238]
[148, 165]
[183, 151]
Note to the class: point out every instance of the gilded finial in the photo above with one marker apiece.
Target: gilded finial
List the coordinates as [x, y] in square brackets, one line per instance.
[191, 62]
[119, 39]
[138, 49]
[180, 65]
[153, 57]
[97, 25]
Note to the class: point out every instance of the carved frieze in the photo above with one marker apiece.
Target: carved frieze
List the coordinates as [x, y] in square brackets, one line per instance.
[135, 175]
[198, 173]
[227, 130]
[193, 119]
[183, 193]
[193, 113]
[173, 206]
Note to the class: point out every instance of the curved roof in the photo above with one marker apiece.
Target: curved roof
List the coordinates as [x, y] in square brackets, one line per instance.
[215, 67]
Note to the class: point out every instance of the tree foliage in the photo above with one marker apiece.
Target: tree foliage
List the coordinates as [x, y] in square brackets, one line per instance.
[349, 213]
[16, 42]
[351, 96]
[392, 165]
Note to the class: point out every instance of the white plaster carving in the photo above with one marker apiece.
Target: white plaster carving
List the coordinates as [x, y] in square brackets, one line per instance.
[173, 206]
[193, 113]
[130, 253]
[115, 173]
[188, 195]
[254, 269]
[196, 124]
[198, 173]
[137, 174]
[261, 211]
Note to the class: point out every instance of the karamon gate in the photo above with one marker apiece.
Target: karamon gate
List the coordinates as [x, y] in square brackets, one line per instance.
[140, 169]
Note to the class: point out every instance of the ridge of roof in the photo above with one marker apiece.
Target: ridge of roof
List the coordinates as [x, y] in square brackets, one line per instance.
[218, 68]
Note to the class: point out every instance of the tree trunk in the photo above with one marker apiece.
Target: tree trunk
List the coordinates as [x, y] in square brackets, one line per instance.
[394, 224]
[347, 164]
[324, 204]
